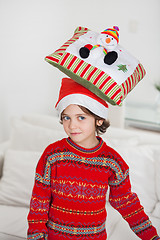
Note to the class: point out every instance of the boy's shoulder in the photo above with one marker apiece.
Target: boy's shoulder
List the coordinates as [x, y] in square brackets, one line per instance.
[56, 146]
[109, 150]
[111, 154]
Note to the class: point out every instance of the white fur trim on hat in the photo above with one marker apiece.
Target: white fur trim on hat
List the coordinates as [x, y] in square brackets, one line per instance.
[85, 101]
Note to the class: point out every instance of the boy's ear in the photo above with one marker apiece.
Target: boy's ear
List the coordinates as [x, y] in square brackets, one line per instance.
[99, 122]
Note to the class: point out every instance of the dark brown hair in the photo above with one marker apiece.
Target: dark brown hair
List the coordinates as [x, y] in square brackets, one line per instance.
[99, 129]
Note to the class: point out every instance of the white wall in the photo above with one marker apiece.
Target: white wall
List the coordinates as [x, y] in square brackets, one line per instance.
[31, 29]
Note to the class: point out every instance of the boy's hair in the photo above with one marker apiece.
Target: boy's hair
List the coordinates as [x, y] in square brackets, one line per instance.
[99, 129]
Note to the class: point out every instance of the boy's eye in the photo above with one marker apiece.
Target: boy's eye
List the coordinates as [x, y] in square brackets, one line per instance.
[65, 118]
[81, 118]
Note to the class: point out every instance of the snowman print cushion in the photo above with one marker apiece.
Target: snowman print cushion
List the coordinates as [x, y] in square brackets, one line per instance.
[99, 63]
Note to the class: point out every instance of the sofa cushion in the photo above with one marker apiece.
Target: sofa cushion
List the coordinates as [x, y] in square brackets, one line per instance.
[25, 136]
[156, 212]
[113, 217]
[157, 166]
[132, 137]
[1, 162]
[13, 222]
[122, 231]
[6, 236]
[140, 160]
[18, 177]
[46, 121]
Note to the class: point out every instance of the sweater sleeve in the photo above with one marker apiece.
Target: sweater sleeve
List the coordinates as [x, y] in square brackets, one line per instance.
[40, 201]
[127, 203]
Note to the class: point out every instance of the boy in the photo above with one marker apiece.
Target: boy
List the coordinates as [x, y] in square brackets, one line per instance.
[73, 175]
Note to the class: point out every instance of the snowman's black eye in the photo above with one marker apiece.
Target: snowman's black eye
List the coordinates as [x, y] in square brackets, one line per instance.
[106, 36]
[112, 38]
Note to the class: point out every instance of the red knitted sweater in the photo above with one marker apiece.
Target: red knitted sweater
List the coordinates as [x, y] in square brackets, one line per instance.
[69, 194]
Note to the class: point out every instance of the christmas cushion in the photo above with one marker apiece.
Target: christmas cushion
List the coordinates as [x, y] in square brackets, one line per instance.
[99, 63]
[18, 177]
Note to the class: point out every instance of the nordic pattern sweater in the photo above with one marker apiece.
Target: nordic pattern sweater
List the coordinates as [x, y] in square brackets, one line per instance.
[69, 194]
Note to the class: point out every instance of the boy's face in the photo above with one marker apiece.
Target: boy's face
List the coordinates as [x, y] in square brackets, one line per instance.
[79, 126]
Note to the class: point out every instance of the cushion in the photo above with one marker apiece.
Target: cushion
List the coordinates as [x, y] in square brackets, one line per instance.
[113, 217]
[110, 82]
[18, 177]
[25, 136]
[132, 137]
[140, 160]
[157, 166]
[46, 121]
[156, 212]
[13, 222]
[1, 162]
[122, 231]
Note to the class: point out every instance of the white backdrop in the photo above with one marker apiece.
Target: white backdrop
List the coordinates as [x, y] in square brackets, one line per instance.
[32, 29]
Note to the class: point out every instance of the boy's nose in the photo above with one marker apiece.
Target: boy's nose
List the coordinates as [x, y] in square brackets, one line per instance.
[72, 124]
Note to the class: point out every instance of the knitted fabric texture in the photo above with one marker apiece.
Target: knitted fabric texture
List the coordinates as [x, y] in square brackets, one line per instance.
[69, 194]
[104, 49]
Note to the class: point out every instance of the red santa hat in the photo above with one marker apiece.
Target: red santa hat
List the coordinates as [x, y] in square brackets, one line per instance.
[73, 93]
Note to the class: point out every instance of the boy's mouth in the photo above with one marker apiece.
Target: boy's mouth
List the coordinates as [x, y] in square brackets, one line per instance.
[75, 133]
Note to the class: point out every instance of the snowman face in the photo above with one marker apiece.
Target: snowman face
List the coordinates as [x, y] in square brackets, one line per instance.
[107, 41]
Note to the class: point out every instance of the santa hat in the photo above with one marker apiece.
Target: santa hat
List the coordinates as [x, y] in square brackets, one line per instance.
[73, 93]
[112, 32]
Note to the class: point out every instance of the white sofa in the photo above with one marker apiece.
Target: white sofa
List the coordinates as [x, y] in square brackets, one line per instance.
[29, 137]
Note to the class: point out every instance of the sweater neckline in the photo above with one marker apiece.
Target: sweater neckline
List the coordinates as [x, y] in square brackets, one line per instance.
[85, 150]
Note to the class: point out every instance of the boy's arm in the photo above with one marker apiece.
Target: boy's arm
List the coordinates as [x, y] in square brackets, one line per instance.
[40, 201]
[128, 204]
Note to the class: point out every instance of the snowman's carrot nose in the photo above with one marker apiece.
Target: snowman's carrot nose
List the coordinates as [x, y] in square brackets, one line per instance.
[108, 40]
